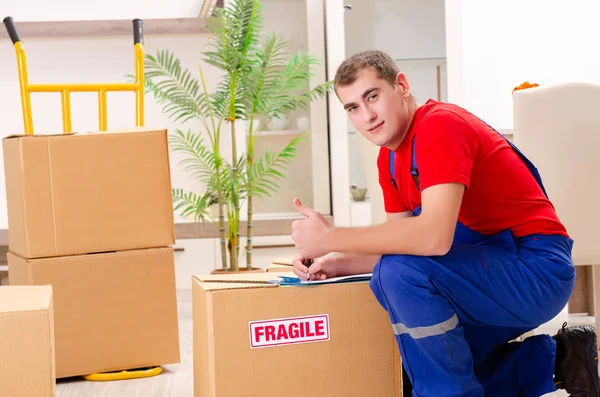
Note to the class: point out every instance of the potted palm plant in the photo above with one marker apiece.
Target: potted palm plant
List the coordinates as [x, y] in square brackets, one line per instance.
[260, 78]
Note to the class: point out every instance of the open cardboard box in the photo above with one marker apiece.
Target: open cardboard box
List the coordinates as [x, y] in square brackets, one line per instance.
[256, 338]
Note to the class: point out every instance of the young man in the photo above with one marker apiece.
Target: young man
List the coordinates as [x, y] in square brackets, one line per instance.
[472, 254]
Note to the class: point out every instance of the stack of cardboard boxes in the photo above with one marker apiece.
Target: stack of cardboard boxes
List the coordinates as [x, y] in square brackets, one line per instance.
[91, 215]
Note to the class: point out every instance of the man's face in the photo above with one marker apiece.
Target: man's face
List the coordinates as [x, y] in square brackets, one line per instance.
[378, 110]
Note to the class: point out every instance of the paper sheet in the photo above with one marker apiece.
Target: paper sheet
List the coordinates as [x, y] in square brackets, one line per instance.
[285, 280]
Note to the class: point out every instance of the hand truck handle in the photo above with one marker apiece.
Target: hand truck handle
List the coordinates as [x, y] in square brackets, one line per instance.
[11, 29]
[138, 31]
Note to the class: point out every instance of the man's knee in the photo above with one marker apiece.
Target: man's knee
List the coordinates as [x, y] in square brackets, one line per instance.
[396, 276]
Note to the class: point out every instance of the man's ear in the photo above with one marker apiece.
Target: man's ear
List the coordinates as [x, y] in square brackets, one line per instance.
[403, 85]
[399, 77]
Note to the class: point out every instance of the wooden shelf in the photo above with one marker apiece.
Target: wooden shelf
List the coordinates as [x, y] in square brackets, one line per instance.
[100, 28]
[261, 227]
[276, 132]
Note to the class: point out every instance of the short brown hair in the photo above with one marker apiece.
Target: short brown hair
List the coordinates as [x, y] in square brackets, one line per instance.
[383, 63]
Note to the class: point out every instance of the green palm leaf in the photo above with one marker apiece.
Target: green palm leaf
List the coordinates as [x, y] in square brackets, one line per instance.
[269, 61]
[173, 86]
[236, 34]
[287, 88]
[200, 160]
[191, 204]
[271, 167]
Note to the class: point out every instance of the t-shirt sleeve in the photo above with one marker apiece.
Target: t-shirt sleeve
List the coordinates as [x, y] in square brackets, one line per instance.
[392, 199]
[445, 150]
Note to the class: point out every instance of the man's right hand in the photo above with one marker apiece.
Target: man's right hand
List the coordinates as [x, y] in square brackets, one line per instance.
[322, 268]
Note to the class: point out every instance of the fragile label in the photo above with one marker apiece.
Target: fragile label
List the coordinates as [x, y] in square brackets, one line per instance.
[288, 331]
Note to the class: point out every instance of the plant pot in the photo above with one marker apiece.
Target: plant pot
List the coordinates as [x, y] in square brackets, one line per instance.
[358, 194]
[241, 270]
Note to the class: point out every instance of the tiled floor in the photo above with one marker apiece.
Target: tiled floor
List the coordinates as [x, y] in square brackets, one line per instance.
[176, 380]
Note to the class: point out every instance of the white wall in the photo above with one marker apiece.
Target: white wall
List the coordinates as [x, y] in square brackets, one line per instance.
[403, 28]
[109, 59]
[495, 46]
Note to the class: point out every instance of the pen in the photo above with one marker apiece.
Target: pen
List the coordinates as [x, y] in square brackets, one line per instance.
[308, 262]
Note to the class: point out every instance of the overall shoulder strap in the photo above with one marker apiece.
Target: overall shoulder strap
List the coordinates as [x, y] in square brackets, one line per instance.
[392, 173]
[532, 168]
[414, 170]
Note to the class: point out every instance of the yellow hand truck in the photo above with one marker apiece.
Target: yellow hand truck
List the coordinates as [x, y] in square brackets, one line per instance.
[101, 88]
[66, 89]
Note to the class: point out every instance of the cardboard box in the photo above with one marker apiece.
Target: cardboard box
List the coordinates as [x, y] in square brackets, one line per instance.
[284, 261]
[331, 340]
[73, 194]
[26, 342]
[274, 267]
[281, 264]
[113, 311]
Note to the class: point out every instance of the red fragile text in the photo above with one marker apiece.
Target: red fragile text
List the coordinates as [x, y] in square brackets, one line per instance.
[289, 331]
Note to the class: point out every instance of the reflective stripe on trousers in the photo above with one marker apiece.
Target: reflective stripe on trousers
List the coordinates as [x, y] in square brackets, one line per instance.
[424, 332]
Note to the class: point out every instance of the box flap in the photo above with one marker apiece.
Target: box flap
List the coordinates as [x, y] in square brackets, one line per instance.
[113, 131]
[15, 136]
[128, 130]
[279, 269]
[286, 261]
[79, 257]
[19, 298]
[215, 282]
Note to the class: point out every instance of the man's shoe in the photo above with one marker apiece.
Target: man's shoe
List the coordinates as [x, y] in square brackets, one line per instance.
[407, 387]
[576, 364]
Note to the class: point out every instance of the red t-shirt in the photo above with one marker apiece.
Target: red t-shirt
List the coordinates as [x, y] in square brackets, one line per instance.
[452, 145]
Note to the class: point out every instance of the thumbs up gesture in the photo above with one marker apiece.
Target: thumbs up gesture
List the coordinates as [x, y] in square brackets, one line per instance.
[309, 234]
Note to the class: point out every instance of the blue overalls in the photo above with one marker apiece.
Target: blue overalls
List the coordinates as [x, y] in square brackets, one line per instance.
[454, 314]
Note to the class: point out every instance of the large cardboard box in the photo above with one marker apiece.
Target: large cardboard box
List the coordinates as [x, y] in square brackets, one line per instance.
[26, 342]
[252, 338]
[73, 194]
[113, 311]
